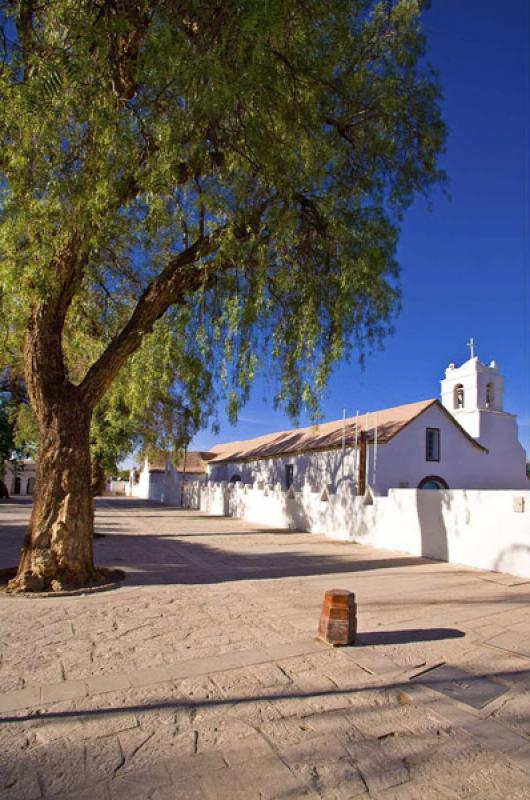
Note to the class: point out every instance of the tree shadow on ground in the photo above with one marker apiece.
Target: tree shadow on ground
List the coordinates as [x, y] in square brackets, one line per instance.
[194, 558]
[512, 677]
[180, 558]
[166, 559]
[269, 532]
[129, 503]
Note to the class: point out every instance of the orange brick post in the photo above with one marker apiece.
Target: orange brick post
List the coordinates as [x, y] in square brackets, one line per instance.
[338, 620]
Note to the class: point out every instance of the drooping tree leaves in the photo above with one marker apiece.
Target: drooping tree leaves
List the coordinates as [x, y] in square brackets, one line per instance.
[236, 173]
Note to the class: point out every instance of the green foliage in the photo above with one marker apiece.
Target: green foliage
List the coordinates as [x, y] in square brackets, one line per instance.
[296, 134]
[17, 434]
[156, 423]
[112, 434]
[6, 435]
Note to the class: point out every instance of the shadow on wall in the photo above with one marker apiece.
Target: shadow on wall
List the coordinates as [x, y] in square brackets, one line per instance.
[433, 531]
[327, 468]
[303, 511]
[510, 555]
[286, 512]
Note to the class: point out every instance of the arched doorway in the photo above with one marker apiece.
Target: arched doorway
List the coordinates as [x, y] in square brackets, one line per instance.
[16, 486]
[235, 479]
[433, 482]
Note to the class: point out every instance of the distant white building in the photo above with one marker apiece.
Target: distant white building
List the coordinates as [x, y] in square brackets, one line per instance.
[161, 479]
[467, 441]
[19, 478]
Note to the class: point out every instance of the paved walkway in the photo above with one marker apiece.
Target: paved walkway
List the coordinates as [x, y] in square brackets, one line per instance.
[201, 676]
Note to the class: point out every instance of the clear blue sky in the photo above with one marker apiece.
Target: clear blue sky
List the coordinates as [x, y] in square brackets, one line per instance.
[465, 262]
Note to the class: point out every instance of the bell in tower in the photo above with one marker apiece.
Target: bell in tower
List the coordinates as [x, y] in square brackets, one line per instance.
[474, 394]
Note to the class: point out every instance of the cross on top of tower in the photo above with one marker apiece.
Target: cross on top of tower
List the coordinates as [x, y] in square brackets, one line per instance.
[471, 345]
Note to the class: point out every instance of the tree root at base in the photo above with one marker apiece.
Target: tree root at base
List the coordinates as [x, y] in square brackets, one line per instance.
[31, 583]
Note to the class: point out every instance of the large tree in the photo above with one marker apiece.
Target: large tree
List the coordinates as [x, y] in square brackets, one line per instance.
[191, 191]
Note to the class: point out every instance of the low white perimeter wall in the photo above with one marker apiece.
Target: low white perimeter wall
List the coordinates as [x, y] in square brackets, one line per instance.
[117, 486]
[477, 528]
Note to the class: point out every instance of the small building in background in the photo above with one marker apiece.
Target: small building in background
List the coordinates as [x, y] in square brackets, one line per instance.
[20, 478]
[161, 479]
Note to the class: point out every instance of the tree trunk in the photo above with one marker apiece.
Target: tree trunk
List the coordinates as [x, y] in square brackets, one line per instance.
[57, 552]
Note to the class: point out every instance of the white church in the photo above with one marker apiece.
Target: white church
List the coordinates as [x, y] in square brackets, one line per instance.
[466, 441]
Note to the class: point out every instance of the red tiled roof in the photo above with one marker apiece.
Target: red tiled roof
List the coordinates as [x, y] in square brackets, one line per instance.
[329, 435]
[195, 462]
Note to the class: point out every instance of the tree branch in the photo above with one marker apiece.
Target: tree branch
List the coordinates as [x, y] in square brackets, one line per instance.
[169, 288]
[180, 277]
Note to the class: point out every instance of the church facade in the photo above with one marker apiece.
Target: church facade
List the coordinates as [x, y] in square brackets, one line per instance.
[466, 441]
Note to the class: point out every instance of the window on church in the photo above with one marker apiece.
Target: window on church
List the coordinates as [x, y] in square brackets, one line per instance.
[459, 396]
[489, 395]
[289, 475]
[432, 444]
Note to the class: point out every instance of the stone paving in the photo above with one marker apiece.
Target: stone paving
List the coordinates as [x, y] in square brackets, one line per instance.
[201, 677]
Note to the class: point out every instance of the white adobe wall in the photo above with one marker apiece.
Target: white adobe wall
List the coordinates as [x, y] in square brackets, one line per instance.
[315, 468]
[156, 486]
[214, 498]
[191, 494]
[117, 486]
[477, 528]
[170, 491]
[162, 487]
[174, 490]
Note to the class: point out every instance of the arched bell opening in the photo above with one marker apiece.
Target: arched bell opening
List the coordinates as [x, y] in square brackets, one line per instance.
[458, 399]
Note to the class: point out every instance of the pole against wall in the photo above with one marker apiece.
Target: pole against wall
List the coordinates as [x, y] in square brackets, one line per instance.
[356, 464]
[183, 476]
[361, 477]
[367, 453]
[343, 438]
[374, 472]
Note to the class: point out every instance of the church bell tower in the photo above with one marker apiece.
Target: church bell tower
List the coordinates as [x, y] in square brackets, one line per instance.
[474, 394]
